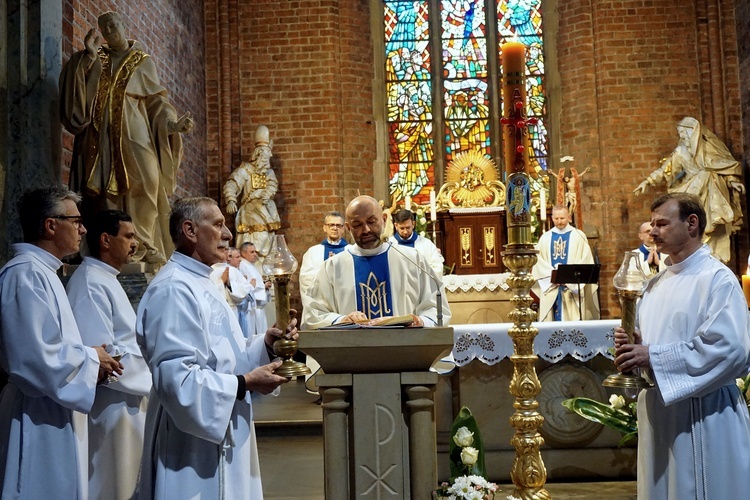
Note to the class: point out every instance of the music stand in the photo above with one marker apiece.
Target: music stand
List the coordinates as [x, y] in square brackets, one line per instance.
[576, 273]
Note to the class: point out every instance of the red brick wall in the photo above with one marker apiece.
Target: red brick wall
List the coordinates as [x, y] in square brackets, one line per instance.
[629, 72]
[173, 34]
[304, 69]
[742, 23]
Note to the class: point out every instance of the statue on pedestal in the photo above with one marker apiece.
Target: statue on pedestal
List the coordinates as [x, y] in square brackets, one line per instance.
[249, 193]
[127, 145]
[702, 165]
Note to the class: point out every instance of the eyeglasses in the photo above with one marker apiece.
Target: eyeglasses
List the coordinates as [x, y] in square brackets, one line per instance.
[337, 226]
[76, 220]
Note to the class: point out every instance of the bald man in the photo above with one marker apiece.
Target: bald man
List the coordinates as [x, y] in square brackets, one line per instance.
[651, 260]
[372, 279]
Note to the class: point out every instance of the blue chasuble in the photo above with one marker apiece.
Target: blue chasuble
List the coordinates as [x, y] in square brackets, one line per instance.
[331, 249]
[409, 242]
[559, 254]
[373, 285]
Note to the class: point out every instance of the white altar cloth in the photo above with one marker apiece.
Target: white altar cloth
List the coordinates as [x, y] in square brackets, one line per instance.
[490, 343]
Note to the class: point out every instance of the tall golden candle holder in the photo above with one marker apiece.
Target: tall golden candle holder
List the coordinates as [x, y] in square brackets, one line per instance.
[528, 472]
[279, 266]
[630, 282]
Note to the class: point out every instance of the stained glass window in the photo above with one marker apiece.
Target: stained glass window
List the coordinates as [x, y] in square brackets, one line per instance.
[409, 98]
[522, 20]
[461, 81]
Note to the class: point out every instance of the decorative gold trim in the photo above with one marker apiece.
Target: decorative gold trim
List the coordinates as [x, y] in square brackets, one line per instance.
[111, 92]
[490, 255]
[465, 238]
[258, 228]
[471, 180]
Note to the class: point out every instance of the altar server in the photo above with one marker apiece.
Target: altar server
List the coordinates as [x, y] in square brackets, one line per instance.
[372, 279]
[260, 289]
[404, 222]
[563, 244]
[51, 372]
[312, 261]
[692, 341]
[105, 315]
[200, 439]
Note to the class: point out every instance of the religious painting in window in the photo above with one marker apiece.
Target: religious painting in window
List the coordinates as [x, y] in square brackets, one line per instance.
[522, 20]
[409, 100]
[461, 81]
[466, 102]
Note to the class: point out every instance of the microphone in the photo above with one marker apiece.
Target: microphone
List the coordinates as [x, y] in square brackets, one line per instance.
[439, 295]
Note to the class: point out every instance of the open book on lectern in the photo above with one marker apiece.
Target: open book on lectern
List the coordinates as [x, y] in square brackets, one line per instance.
[384, 322]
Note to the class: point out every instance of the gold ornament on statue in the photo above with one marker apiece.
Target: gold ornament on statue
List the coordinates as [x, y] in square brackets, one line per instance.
[279, 265]
[471, 180]
[630, 282]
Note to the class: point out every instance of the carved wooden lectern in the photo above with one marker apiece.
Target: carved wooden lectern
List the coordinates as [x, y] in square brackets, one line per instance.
[378, 409]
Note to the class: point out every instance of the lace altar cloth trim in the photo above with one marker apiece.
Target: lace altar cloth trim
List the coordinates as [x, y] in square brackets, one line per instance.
[490, 343]
[478, 282]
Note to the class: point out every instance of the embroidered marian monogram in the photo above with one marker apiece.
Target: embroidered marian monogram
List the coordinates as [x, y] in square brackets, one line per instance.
[374, 297]
[559, 248]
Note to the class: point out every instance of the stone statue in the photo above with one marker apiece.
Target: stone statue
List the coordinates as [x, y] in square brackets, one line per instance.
[702, 165]
[249, 193]
[127, 145]
[388, 226]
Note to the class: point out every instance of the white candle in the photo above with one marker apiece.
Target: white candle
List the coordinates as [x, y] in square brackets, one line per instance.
[433, 205]
[407, 202]
[543, 203]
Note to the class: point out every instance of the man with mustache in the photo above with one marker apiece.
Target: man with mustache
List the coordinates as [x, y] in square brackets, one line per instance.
[692, 341]
[105, 315]
[200, 436]
[370, 279]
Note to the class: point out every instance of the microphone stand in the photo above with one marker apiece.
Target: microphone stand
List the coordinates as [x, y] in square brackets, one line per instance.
[438, 295]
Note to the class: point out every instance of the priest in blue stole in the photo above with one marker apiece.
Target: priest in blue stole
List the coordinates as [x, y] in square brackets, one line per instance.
[563, 244]
[370, 279]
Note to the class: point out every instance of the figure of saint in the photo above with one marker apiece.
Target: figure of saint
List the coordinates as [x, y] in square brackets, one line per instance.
[249, 193]
[572, 185]
[127, 145]
[702, 165]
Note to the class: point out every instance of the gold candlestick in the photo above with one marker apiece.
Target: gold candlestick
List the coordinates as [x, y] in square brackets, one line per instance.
[279, 266]
[528, 472]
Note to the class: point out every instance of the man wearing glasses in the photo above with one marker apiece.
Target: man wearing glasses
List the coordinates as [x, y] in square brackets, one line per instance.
[312, 261]
[50, 372]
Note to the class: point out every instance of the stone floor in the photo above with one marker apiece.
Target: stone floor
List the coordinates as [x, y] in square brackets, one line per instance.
[290, 445]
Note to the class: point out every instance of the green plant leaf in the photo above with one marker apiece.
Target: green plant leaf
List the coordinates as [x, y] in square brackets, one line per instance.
[604, 414]
[466, 419]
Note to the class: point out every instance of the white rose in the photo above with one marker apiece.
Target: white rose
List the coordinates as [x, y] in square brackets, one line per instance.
[422, 220]
[463, 437]
[469, 455]
[616, 401]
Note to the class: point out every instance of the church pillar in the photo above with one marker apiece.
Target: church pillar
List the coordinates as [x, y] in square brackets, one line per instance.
[422, 446]
[335, 391]
[30, 130]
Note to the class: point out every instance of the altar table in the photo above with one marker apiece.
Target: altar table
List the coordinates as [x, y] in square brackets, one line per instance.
[574, 359]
